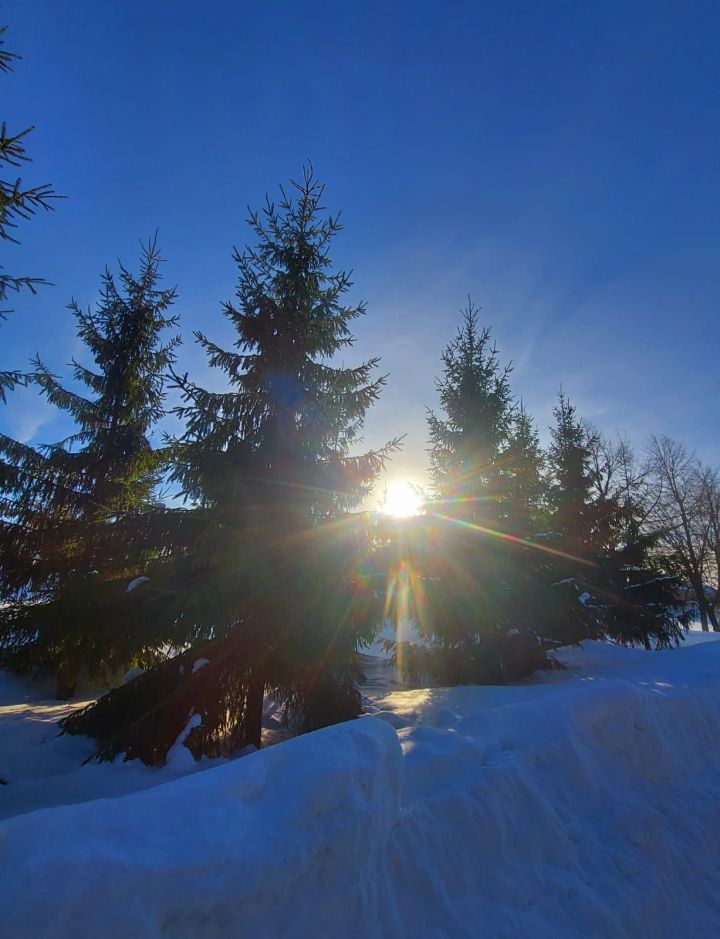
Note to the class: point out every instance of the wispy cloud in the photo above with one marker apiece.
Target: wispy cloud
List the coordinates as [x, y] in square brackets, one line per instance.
[25, 415]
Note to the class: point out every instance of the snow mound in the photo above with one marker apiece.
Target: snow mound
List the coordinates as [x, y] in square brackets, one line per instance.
[584, 803]
[268, 836]
[179, 758]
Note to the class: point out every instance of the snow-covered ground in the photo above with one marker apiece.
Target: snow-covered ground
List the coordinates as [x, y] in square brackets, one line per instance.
[582, 803]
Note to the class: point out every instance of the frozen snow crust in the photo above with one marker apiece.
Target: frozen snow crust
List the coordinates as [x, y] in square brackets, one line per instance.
[585, 805]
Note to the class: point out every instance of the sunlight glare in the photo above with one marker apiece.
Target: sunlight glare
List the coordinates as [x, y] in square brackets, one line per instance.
[401, 499]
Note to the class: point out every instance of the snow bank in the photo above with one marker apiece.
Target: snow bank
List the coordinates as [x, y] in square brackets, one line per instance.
[251, 846]
[582, 804]
[43, 769]
[588, 810]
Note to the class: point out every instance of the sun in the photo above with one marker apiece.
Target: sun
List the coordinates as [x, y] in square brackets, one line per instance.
[401, 499]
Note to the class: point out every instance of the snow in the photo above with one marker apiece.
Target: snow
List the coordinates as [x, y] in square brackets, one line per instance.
[179, 759]
[42, 769]
[198, 664]
[583, 802]
[191, 859]
[136, 583]
[132, 673]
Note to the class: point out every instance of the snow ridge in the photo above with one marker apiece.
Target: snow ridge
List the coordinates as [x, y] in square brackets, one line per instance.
[586, 805]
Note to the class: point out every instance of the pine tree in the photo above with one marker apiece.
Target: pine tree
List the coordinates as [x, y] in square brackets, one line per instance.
[632, 595]
[69, 510]
[525, 487]
[468, 579]
[569, 458]
[467, 442]
[272, 591]
[17, 203]
[491, 594]
[636, 585]
[607, 576]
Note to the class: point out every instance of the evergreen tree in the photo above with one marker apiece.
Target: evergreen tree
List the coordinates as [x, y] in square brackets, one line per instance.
[17, 203]
[467, 442]
[470, 577]
[525, 487]
[490, 594]
[569, 458]
[606, 568]
[68, 510]
[632, 595]
[272, 590]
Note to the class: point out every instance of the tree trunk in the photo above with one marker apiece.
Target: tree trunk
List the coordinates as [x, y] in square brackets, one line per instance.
[712, 613]
[254, 709]
[66, 681]
[701, 599]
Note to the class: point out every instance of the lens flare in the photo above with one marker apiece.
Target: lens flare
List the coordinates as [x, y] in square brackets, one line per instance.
[401, 499]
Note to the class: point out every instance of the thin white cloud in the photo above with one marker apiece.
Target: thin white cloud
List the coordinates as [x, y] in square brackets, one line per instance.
[25, 414]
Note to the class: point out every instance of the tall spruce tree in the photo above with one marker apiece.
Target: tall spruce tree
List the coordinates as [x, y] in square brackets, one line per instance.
[271, 591]
[468, 580]
[467, 442]
[573, 515]
[525, 486]
[17, 203]
[69, 510]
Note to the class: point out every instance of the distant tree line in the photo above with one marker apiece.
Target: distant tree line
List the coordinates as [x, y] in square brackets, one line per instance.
[263, 575]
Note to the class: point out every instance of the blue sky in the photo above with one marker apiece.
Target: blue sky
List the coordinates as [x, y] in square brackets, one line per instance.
[556, 161]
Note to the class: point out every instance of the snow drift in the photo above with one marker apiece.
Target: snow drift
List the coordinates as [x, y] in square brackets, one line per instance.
[266, 835]
[583, 805]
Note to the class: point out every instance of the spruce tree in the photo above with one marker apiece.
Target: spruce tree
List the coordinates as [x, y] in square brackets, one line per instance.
[631, 595]
[71, 511]
[17, 203]
[635, 585]
[469, 580]
[573, 516]
[272, 592]
[525, 486]
[572, 540]
[492, 593]
[609, 579]
[466, 443]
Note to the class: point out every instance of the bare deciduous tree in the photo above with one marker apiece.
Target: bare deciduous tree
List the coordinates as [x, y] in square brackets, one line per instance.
[709, 482]
[619, 483]
[683, 493]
